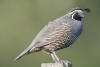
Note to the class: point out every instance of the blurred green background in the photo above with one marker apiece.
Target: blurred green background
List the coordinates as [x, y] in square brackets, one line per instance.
[21, 20]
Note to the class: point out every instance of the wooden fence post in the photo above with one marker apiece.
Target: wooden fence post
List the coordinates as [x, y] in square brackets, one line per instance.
[63, 63]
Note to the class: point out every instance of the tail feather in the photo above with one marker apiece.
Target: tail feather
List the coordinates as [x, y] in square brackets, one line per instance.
[20, 55]
[26, 51]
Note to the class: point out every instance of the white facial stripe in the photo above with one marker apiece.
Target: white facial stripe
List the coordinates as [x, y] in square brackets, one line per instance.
[79, 11]
[72, 16]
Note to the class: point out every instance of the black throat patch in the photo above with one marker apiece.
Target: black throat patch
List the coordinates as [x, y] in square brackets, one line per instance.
[76, 16]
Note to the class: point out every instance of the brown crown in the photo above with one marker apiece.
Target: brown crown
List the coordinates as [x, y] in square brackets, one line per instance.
[87, 9]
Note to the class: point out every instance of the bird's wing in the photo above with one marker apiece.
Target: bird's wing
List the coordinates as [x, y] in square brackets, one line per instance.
[49, 31]
[49, 28]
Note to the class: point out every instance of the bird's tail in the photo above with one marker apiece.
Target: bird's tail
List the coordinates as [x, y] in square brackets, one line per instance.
[20, 55]
[26, 51]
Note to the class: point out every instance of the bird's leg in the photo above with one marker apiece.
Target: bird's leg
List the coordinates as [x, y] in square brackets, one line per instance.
[54, 57]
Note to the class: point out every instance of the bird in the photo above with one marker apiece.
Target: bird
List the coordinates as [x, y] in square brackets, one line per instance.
[57, 34]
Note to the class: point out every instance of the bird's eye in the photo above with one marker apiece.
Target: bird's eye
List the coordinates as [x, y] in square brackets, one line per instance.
[73, 15]
[76, 16]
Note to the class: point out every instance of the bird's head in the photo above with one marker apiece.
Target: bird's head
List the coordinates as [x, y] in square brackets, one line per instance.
[78, 13]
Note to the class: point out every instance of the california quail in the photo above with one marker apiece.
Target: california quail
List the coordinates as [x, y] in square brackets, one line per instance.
[57, 34]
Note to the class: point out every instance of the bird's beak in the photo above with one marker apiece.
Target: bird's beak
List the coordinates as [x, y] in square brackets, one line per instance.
[82, 15]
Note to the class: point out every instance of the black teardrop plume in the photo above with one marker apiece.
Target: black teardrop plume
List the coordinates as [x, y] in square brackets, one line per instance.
[87, 10]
